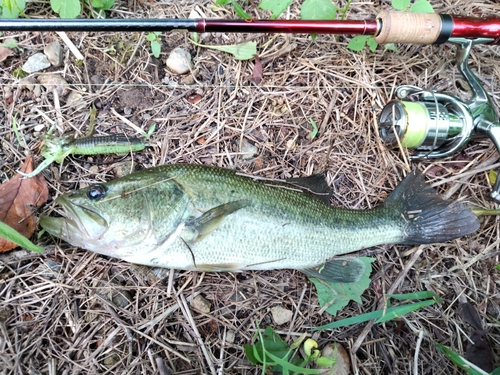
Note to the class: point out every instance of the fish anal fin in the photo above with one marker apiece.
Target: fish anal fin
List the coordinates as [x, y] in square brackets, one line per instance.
[211, 219]
[222, 267]
[338, 270]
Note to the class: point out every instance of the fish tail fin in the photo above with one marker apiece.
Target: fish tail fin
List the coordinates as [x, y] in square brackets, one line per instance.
[428, 218]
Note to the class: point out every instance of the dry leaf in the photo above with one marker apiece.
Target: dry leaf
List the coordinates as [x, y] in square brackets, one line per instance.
[5, 52]
[257, 71]
[18, 199]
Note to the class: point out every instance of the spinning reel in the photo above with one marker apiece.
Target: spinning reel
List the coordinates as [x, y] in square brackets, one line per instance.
[436, 124]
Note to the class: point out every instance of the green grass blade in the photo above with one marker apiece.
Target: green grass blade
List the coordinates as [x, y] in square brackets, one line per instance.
[391, 312]
[398, 311]
[287, 366]
[13, 235]
[461, 362]
[424, 294]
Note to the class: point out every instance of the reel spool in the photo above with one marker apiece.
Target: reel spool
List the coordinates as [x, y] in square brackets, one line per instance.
[435, 126]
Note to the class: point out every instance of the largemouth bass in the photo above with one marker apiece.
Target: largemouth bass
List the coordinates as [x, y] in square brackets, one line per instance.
[194, 217]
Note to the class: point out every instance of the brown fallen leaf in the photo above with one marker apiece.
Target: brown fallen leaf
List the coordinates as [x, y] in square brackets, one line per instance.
[478, 349]
[257, 71]
[18, 199]
[5, 52]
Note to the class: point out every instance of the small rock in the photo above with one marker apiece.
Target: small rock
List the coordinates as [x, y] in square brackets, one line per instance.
[281, 315]
[38, 128]
[230, 336]
[248, 150]
[94, 169]
[75, 99]
[54, 81]
[36, 63]
[123, 168]
[96, 80]
[7, 92]
[54, 53]
[49, 269]
[28, 83]
[179, 61]
[112, 359]
[201, 304]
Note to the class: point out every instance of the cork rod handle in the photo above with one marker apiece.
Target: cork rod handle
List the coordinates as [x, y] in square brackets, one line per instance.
[405, 27]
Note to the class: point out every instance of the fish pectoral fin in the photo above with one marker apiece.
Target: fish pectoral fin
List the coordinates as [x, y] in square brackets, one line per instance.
[222, 267]
[210, 220]
[338, 270]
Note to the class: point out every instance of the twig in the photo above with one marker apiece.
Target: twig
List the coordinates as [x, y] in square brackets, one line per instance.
[417, 351]
[70, 45]
[187, 314]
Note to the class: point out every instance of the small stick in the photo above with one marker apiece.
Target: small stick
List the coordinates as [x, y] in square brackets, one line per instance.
[70, 45]
[187, 313]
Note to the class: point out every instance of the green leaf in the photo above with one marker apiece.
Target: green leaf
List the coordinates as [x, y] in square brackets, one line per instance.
[240, 12]
[66, 8]
[275, 6]
[371, 43]
[12, 8]
[315, 129]
[151, 37]
[243, 51]
[496, 371]
[222, 2]
[391, 47]
[271, 342]
[401, 4]
[341, 293]
[358, 42]
[421, 6]
[318, 10]
[156, 48]
[102, 4]
[461, 362]
[13, 235]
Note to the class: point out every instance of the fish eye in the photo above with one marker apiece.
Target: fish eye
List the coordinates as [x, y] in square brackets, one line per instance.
[96, 192]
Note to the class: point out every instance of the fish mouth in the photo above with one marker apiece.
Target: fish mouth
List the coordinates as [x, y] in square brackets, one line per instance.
[79, 223]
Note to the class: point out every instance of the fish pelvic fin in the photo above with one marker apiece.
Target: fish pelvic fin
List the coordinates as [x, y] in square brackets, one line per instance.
[211, 219]
[338, 270]
[428, 218]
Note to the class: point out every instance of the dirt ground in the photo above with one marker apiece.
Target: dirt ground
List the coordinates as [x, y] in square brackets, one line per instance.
[71, 311]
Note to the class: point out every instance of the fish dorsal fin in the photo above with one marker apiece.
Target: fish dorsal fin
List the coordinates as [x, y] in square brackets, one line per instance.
[338, 270]
[211, 219]
[315, 184]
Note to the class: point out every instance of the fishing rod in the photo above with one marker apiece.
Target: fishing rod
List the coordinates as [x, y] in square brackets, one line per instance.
[387, 27]
[433, 124]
